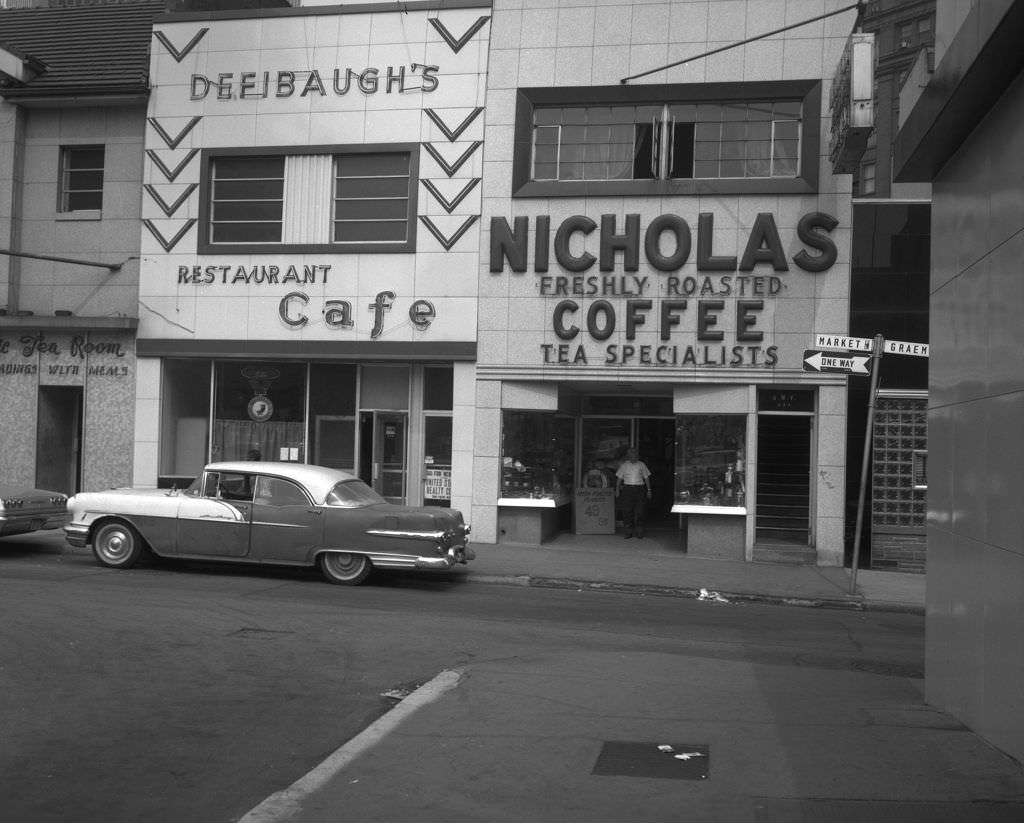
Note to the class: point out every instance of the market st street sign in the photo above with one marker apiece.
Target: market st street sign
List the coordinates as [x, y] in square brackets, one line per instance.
[827, 361]
[839, 341]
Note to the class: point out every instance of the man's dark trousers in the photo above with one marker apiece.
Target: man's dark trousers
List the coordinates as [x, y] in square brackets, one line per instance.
[633, 501]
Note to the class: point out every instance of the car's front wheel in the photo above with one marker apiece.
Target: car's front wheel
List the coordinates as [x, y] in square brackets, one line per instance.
[345, 568]
[118, 545]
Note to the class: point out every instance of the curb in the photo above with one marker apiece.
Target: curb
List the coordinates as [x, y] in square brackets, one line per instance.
[848, 603]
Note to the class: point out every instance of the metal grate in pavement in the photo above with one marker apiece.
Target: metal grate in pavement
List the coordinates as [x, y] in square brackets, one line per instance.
[677, 761]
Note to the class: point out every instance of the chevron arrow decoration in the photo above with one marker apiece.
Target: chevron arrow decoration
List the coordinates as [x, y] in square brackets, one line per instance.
[453, 134]
[451, 168]
[163, 241]
[173, 142]
[448, 242]
[170, 208]
[454, 43]
[169, 173]
[179, 55]
[448, 205]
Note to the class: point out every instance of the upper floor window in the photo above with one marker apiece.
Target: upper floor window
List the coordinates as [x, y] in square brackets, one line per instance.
[247, 200]
[678, 139]
[359, 200]
[670, 141]
[81, 178]
[867, 179]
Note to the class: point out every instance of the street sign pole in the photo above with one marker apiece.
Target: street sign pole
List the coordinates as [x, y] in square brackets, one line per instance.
[876, 367]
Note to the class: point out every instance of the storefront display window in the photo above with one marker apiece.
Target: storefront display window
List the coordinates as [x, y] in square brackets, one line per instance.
[537, 455]
[332, 414]
[710, 462]
[259, 411]
[438, 394]
[185, 421]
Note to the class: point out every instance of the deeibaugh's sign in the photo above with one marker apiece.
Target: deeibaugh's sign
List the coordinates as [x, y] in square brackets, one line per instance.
[711, 316]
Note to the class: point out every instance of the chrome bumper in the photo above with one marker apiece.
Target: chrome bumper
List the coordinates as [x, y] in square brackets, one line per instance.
[11, 524]
[454, 555]
[76, 535]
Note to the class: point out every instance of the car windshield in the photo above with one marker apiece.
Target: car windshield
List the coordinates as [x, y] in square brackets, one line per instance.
[353, 494]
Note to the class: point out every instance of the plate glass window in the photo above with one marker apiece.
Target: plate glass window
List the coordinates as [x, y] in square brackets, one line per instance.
[668, 141]
[537, 455]
[81, 178]
[710, 465]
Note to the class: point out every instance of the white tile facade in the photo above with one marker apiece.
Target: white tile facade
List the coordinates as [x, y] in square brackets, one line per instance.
[579, 43]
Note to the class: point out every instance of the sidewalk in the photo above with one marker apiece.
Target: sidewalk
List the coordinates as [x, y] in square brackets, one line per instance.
[656, 567]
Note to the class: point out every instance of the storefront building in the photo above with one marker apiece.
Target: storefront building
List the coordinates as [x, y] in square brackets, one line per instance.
[73, 92]
[308, 283]
[662, 247]
[445, 246]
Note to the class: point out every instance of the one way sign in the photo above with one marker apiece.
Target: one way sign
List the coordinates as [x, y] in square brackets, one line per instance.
[834, 361]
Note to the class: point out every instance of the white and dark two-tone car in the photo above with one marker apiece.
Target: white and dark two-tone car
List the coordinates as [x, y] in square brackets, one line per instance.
[286, 514]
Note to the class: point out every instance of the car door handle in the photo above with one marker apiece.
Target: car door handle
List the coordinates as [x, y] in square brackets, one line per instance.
[314, 511]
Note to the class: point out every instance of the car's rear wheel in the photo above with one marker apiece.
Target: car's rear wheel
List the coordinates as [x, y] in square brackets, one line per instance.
[118, 545]
[345, 568]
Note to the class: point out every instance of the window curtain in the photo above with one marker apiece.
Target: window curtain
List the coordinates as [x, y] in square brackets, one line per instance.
[247, 440]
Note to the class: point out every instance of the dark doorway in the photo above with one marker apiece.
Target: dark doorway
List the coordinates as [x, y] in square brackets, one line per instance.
[783, 479]
[59, 438]
[656, 443]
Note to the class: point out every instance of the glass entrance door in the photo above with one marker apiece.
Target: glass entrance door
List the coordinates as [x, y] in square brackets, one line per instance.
[604, 441]
[388, 470]
[783, 479]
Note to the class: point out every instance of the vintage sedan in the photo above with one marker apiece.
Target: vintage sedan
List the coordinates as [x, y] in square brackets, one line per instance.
[289, 514]
[24, 509]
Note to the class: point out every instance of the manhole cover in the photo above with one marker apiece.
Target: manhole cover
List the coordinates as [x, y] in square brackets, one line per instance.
[677, 761]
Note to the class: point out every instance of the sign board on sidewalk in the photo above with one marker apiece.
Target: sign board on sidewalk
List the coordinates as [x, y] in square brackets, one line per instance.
[844, 342]
[829, 361]
[594, 511]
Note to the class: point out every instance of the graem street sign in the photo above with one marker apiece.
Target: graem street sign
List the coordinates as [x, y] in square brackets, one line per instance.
[833, 361]
[899, 347]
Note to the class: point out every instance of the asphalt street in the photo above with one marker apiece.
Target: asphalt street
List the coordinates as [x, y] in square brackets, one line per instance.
[199, 692]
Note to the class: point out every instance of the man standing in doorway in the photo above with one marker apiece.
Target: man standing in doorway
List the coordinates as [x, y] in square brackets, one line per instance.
[633, 488]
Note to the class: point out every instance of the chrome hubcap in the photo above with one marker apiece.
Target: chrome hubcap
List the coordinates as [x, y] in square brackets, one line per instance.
[115, 545]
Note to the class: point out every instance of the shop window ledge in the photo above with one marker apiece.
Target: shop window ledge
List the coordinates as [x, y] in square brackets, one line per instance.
[533, 503]
[681, 508]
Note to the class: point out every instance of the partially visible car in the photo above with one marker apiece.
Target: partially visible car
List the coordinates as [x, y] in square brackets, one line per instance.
[24, 509]
[287, 514]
